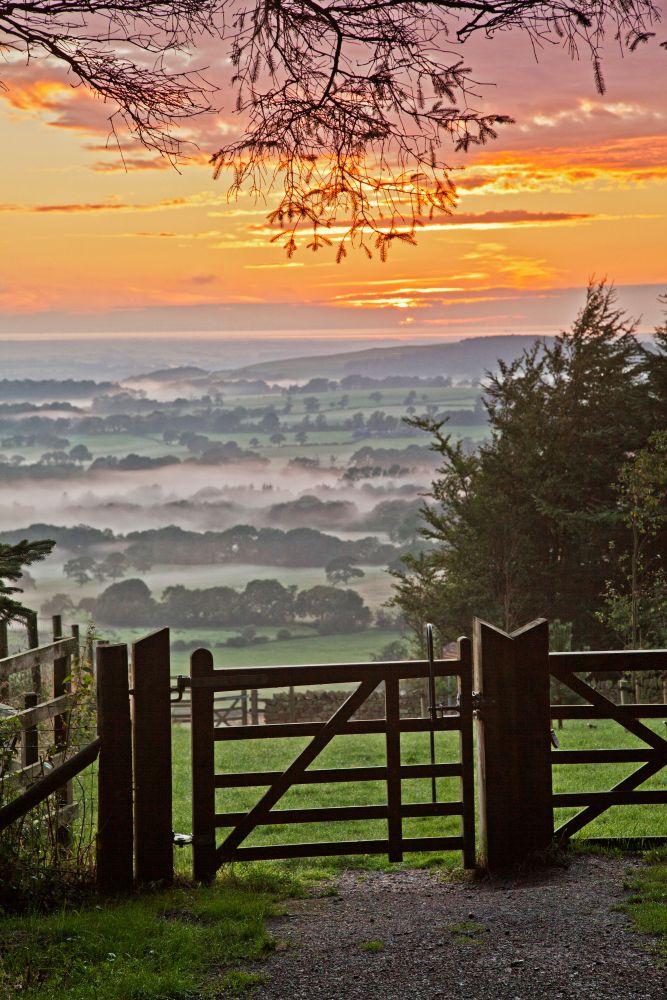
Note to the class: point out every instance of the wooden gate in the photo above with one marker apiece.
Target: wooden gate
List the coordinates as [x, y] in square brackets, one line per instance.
[567, 668]
[205, 681]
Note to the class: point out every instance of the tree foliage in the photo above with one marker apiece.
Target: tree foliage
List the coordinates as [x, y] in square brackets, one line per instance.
[523, 527]
[13, 560]
[636, 603]
[346, 107]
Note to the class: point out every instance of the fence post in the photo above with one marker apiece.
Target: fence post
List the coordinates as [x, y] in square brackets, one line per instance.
[75, 661]
[61, 685]
[30, 735]
[511, 676]
[151, 739]
[254, 707]
[467, 753]
[33, 642]
[114, 808]
[4, 652]
[203, 767]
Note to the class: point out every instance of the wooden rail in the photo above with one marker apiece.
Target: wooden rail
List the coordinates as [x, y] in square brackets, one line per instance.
[49, 784]
[567, 667]
[205, 681]
[60, 655]
[41, 655]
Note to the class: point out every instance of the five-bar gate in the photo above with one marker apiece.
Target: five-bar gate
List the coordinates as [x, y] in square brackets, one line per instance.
[205, 681]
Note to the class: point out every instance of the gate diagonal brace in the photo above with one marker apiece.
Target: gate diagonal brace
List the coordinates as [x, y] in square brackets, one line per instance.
[657, 761]
[295, 770]
[610, 710]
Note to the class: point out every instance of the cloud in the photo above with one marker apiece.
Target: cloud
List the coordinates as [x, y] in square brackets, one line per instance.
[462, 220]
[128, 164]
[204, 279]
[272, 267]
[614, 164]
[85, 208]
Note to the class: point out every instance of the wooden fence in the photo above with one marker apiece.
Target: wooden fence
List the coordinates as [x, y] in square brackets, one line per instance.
[234, 709]
[49, 665]
[510, 706]
[516, 749]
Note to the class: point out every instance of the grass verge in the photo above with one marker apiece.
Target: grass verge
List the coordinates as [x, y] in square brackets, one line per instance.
[182, 943]
[647, 907]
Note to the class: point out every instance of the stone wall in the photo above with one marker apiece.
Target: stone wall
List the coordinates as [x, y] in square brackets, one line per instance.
[318, 706]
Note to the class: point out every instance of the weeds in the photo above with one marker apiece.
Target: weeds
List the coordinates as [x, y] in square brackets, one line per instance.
[647, 907]
[45, 858]
[466, 931]
[237, 983]
[156, 946]
[374, 945]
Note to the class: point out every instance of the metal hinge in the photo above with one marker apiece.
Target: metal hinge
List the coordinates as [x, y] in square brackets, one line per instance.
[477, 701]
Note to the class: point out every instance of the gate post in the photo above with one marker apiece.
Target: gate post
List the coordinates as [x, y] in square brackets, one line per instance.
[114, 777]
[202, 734]
[151, 739]
[511, 678]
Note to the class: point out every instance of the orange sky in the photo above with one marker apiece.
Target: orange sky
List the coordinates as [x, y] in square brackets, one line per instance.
[577, 187]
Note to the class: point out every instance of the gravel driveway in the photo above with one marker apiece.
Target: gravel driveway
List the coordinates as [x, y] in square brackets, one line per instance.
[407, 934]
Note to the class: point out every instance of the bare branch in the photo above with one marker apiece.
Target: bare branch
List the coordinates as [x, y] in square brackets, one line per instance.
[344, 106]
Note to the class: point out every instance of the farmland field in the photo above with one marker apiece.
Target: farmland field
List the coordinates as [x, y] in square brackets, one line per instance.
[305, 646]
[346, 751]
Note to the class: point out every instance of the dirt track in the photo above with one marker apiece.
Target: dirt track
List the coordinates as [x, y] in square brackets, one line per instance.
[548, 936]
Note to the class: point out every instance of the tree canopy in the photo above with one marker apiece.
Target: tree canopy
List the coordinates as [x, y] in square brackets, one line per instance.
[13, 560]
[533, 523]
[346, 107]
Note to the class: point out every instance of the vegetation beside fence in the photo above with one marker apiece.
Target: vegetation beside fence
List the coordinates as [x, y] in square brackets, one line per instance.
[47, 739]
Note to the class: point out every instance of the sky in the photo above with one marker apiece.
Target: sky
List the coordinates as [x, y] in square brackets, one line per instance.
[576, 188]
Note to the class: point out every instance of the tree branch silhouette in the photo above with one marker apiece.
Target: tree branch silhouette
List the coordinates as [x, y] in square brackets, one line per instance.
[346, 108]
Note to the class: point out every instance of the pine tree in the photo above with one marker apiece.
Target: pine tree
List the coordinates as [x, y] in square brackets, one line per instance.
[13, 560]
[522, 528]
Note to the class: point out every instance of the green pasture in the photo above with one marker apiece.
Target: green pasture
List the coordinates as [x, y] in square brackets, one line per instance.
[368, 750]
[454, 398]
[305, 646]
[190, 942]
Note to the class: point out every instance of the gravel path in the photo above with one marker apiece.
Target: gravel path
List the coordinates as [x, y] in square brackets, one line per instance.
[550, 936]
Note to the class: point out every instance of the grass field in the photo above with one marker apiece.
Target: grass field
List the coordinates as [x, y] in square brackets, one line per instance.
[375, 586]
[193, 942]
[306, 646]
[346, 751]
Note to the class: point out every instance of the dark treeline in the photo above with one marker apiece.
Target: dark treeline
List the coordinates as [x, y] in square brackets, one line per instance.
[563, 512]
[262, 602]
[246, 544]
[243, 543]
[50, 389]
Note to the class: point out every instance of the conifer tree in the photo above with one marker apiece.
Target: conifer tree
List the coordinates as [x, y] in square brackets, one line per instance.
[522, 528]
[13, 560]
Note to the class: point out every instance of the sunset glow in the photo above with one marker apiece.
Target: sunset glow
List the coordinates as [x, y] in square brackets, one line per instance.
[577, 186]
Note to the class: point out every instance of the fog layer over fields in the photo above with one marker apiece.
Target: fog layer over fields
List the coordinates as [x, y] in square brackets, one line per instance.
[170, 490]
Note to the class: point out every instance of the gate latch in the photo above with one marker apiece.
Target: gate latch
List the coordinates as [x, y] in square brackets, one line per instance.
[182, 683]
[477, 701]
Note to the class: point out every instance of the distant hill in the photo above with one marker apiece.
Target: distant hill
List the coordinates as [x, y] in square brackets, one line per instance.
[169, 374]
[461, 359]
